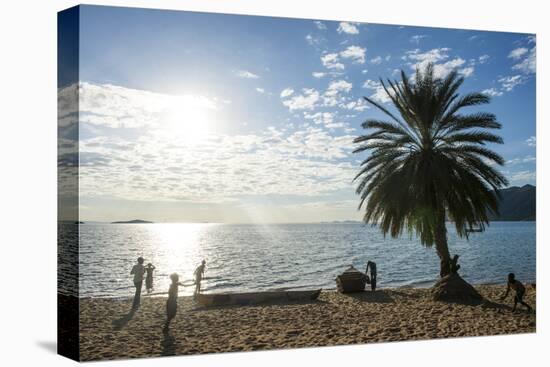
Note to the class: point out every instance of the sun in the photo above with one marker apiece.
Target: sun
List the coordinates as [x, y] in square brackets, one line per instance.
[189, 118]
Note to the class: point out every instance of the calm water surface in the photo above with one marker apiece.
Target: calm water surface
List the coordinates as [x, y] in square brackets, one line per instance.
[289, 256]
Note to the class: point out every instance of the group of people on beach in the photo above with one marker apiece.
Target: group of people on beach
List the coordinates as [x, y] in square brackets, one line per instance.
[512, 284]
[139, 271]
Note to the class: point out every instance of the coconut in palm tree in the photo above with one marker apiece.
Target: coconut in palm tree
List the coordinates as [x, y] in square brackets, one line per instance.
[429, 163]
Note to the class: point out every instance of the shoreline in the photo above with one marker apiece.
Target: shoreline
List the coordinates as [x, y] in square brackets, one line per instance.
[144, 295]
[110, 330]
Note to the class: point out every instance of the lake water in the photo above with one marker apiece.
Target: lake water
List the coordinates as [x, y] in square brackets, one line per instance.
[288, 256]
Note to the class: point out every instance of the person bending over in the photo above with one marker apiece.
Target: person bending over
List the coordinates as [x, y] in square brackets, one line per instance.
[519, 289]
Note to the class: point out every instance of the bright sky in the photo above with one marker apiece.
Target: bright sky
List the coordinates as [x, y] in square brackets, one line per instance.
[222, 118]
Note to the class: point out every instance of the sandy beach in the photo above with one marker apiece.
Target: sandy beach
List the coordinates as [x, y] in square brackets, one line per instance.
[109, 331]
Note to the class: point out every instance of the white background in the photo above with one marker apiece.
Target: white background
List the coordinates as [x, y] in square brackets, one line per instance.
[28, 180]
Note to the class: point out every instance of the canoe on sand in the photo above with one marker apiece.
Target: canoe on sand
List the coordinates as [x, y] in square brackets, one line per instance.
[256, 297]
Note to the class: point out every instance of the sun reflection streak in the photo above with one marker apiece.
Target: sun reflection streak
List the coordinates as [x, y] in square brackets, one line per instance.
[179, 245]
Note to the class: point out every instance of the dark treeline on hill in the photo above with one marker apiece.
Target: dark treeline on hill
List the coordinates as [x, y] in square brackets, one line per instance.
[517, 204]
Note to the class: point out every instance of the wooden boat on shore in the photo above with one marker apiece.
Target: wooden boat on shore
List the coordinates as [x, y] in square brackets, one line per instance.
[351, 280]
[253, 298]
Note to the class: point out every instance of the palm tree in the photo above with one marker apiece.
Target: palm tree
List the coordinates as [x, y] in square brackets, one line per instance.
[429, 162]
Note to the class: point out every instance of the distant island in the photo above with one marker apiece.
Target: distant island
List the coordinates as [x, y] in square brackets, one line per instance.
[134, 221]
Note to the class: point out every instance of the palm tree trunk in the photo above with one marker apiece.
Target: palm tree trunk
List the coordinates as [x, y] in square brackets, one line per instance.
[441, 245]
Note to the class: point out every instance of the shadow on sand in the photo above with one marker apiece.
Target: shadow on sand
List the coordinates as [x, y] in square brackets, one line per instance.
[199, 307]
[501, 307]
[168, 345]
[372, 297]
[118, 324]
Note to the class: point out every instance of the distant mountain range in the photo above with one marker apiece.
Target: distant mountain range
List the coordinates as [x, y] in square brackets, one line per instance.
[517, 204]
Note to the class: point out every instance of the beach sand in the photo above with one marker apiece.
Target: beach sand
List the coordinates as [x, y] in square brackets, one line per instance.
[109, 331]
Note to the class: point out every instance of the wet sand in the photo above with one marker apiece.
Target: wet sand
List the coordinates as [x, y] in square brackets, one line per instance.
[108, 330]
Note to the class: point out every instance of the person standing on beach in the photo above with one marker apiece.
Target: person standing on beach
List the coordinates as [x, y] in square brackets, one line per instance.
[149, 278]
[372, 266]
[138, 270]
[519, 289]
[199, 272]
[172, 302]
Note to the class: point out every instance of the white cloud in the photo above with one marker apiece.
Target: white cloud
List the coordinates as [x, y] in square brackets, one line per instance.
[357, 105]
[348, 27]
[493, 92]
[483, 59]
[305, 101]
[528, 64]
[523, 176]
[320, 117]
[508, 83]
[371, 84]
[380, 95]
[467, 71]
[521, 160]
[287, 92]
[376, 61]
[431, 56]
[436, 57]
[336, 125]
[320, 25]
[318, 74]
[300, 163]
[417, 38]
[340, 85]
[517, 53]
[355, 53]
[331, 61]
[118, 107]
[442, 70]
[532, 141]
[312, 40]
[155, 164]
[246, 74]
[333, 95]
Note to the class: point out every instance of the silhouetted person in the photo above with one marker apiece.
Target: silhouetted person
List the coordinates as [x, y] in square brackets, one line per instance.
[149, 278]
[453, 264]
[138, 270]
[519, 289]
[172, 302]
[372, 266]
[199, 273]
